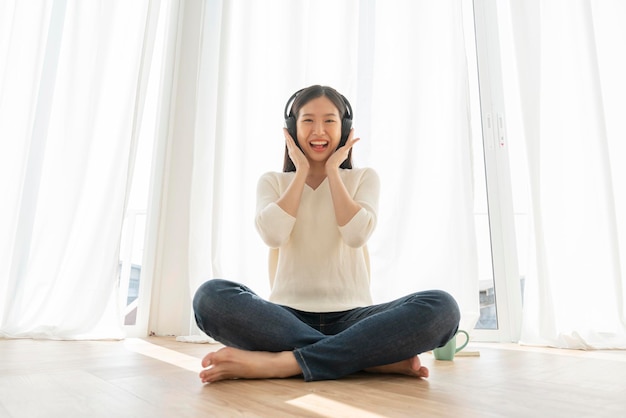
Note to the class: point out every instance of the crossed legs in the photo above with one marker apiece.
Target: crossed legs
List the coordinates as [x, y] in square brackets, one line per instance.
[265, 340]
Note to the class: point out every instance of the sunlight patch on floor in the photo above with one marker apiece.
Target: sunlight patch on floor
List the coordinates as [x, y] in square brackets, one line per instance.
[329, 408]
[163, 354]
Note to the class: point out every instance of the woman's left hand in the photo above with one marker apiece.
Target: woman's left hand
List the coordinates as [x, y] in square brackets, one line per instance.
[339, 156]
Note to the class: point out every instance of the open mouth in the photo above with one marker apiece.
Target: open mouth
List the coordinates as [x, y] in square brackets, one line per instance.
[318, 145]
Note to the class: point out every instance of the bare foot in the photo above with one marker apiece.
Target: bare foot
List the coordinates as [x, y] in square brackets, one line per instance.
[409, 367]
[233, 363]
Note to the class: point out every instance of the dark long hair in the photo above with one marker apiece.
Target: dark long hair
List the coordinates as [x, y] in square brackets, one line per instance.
[305, 96]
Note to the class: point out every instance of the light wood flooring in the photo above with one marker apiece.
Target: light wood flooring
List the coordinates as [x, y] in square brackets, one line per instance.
[157, 377]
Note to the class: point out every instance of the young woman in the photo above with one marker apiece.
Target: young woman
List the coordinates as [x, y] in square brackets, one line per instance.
[316, 217]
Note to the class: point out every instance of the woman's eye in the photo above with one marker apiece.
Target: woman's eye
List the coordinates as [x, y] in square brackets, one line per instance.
[330, 121]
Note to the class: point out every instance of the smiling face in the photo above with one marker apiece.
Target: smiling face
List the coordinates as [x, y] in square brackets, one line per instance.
[319, 129]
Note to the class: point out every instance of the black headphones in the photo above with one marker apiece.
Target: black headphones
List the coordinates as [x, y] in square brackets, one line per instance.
[346, 120]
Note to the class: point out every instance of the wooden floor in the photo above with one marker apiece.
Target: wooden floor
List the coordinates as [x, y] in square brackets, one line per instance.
[157, 377]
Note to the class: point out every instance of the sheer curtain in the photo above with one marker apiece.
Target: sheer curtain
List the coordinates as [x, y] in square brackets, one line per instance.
[402, 64]
[70, 100]
[571, 65]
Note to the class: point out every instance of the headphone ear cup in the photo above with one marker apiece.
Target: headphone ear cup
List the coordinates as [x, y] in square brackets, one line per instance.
[290, 124]
[346, 125]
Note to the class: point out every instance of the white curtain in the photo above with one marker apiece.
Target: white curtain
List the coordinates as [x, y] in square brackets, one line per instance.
[571, 64]
[402, 65]
[72, 84]
[71, 79]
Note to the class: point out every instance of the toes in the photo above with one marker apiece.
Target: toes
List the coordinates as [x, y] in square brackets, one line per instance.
[206, 361]
[203, 376]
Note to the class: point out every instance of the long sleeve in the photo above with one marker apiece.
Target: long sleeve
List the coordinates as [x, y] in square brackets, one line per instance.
[365, 192]
[273, 224]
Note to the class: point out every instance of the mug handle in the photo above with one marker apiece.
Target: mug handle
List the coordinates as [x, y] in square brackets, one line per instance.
[466, 340]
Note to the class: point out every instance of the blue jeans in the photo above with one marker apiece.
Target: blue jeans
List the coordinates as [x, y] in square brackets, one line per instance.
[327, 345]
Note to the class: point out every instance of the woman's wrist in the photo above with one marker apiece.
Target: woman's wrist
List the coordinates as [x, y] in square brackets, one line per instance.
[332, 171]
[302, 172]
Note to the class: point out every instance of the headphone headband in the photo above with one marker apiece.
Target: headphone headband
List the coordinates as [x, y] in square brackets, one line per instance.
[290, 102]
[288, 113]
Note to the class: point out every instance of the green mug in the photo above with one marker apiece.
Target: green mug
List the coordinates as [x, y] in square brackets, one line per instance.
[448, 351]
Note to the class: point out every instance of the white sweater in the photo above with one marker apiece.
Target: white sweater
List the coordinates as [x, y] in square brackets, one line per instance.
[316, 265]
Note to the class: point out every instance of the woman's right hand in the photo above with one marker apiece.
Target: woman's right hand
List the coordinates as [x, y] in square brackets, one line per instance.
[295, 153]
[289, 201]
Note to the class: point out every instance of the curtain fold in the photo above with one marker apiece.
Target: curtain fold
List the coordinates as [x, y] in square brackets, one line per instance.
[70, 78]
[572, 93]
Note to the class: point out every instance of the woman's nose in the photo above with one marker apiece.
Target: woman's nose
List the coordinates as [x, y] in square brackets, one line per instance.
[318, 127]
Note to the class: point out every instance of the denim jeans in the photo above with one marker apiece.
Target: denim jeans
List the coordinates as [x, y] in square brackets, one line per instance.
[327, 345]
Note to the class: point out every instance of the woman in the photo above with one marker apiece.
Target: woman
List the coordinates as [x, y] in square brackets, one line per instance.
[316, 217]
